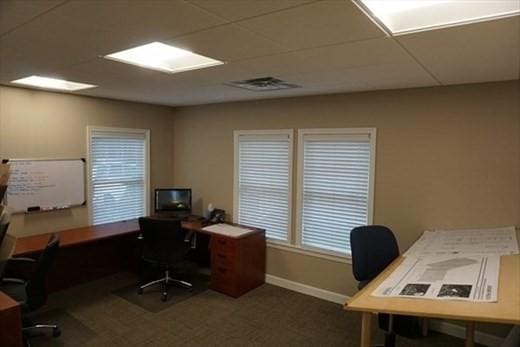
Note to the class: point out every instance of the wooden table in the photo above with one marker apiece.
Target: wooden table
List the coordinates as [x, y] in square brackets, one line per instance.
[506, 310]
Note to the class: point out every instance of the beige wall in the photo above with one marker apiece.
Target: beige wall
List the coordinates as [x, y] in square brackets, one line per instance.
[447, 157]
[36, 124]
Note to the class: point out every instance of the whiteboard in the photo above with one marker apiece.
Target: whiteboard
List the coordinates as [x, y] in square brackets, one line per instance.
[45, 183]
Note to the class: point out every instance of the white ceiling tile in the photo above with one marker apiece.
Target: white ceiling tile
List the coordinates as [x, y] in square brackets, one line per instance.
[14, 13]
[391, 76]
[227, 43]
[316, 24]
[325, 47]
[276, 65]
[82, 30]
[480, 52]
[382, 51]
[239, 9]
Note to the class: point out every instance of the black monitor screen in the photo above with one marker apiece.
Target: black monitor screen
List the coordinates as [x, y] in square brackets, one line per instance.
[173, 199]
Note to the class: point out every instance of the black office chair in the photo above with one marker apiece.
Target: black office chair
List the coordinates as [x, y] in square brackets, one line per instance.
[373, 248]
[30, 287]
[164, 245]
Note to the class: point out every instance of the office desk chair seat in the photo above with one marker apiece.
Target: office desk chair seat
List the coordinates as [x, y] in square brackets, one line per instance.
[164, 246]
[29, 287]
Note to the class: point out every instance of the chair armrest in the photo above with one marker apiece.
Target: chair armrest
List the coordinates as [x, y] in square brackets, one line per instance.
[12, 280]
[20, 268]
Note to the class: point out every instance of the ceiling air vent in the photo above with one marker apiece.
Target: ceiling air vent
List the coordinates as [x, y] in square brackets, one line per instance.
[263, 84]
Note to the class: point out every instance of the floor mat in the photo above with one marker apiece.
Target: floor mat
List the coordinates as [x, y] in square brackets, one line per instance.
[150, 300]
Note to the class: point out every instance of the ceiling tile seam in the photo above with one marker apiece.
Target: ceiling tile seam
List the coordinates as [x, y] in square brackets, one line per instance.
[255, 16]
[296, 50]
[237, 23]
[432, 75]
[34, 18]
[300, 50]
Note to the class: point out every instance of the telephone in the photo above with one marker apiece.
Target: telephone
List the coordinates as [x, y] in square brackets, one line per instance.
[217, 216]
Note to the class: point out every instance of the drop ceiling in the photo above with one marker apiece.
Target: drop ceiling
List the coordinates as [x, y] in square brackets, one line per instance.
[325, 47]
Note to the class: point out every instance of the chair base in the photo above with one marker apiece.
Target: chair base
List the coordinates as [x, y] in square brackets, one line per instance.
[39, 329]
[165, 281]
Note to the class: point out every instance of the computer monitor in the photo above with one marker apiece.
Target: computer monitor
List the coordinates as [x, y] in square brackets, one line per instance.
[173, 200]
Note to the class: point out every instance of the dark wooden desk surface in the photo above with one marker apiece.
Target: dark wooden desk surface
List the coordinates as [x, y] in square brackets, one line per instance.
[78, 236]
[74, 237]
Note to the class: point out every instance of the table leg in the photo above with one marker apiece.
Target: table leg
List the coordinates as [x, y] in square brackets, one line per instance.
[470, 333]
[366, 321]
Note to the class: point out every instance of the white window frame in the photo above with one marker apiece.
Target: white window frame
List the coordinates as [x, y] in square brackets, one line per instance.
[371, 132]
[146, 133]
[290, 133]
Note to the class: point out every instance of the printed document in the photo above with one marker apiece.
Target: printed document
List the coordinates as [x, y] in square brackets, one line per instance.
[498, 241]
[467, 277]
[228, 230]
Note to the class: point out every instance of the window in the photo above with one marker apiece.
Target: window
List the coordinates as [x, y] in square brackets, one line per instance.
[263, 172]
[118, 174]
[335, 186]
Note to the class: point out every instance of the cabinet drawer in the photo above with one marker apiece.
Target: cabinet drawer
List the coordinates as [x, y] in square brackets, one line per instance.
[223, 245]
[222, 277]
[223, 259]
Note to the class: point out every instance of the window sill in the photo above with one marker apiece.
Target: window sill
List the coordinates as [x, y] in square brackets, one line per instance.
[312, 253]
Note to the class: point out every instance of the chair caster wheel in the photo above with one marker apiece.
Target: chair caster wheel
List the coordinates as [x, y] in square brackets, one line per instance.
[56, 332]
[140, 291]
[164, 298]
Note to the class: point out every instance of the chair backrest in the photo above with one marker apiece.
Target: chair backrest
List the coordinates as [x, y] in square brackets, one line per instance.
[3, 231]
[163, 240]
[373, 248]
[36, 287]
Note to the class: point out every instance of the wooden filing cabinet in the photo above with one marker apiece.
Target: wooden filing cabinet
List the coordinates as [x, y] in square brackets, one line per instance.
[237, 264]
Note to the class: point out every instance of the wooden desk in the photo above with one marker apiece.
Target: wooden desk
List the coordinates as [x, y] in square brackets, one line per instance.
[237, 263]
[88, 253]
[10, 322]
[75, 237]
[506, 310]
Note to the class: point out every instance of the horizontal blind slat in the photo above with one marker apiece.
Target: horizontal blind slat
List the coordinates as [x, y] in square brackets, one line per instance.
[118, 164]
[263, 183]
[335, 186]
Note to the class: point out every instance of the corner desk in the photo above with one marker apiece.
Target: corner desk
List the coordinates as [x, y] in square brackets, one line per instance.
[88, 253]
[506, 310]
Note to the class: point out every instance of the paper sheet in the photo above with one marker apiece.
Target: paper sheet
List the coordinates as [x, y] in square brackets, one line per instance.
[498, 241]
[456, 277]
[226, 229]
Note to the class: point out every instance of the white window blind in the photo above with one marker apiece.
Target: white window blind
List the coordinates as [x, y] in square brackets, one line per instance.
[263, 182]
[118, 175]
[335, 189]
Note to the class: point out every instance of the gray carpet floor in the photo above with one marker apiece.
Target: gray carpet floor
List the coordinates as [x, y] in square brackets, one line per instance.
[92, 315]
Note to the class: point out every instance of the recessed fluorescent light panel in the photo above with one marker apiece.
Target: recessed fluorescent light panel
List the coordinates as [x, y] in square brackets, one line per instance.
[162, 57]
[52, 83]
[405, 16]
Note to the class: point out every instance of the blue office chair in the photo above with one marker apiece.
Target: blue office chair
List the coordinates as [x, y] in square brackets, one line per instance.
[373, 248]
